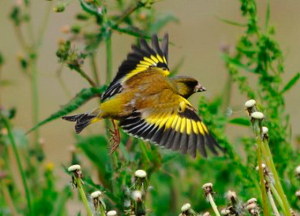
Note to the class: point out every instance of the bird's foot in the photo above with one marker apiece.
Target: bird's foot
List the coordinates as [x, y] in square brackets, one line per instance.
[115, 138]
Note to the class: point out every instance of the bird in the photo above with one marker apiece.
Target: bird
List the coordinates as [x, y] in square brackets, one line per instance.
[151, 105]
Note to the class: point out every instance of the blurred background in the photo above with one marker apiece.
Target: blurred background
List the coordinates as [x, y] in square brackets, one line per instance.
[196, 37]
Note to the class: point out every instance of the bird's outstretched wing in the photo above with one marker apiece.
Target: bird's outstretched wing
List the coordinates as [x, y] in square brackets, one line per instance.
[140, 59]
[176, 127]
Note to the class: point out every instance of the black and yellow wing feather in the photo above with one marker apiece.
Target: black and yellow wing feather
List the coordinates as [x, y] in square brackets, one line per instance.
[175, 127]
[140, 59]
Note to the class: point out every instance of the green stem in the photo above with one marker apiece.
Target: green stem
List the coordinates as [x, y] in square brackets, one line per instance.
[102, 210]
[44, 23]
[9, 200]
[276, 195]
[95, 69]
[273, 205]
[278, 185]
[127, 13]
[108, 59]
[86, 77]
[261, 177]
[21, 170]
[213, 204]
[83, 197]
[35, 99]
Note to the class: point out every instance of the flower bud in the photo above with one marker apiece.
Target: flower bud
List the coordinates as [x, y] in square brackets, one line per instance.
[225, 212]
[250, 103]
[185, 207]
[257, 115]
[112, 213]
[140, 174]
[60, 7]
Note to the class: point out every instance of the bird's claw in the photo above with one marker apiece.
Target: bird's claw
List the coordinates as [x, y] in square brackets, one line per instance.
[115, 138]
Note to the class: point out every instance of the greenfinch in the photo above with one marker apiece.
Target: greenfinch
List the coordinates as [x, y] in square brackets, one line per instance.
[150, 105]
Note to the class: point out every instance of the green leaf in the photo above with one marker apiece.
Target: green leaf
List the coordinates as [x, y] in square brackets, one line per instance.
[240, 121]
[132, 31]
[231, 22]
[80, 99]
[91, 9]
[291, 83]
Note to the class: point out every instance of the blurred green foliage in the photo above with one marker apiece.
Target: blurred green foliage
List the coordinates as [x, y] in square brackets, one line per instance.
[174, 179]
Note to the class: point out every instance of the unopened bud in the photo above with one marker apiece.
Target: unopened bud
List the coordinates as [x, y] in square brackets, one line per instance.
[250, 103]
[112, 213]
[185, 207]
[225, 212]
[60, 7]
[257, 115]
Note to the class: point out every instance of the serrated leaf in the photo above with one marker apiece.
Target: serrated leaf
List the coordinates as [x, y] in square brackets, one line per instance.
[80, 99]
[291, 83]
[132, 31]
[240, 121]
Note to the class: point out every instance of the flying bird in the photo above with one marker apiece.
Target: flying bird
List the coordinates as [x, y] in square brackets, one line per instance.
[151, 105]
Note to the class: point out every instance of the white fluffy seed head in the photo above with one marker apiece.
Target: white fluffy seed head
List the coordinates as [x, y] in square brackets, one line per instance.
[297, 170]
[257, 115]
[225, 211]
[137, 195]
[111, 213]
[207, 185]
[96, 194]
[298, 193]
[206, 214]
[140, 174]
[250, 103]
[252, 200]
[74, 168]
[186, 207]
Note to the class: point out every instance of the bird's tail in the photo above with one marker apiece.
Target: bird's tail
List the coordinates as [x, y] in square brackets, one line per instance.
[84, 120]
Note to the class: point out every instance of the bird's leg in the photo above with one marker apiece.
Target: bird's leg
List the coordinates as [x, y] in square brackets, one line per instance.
[115, 138]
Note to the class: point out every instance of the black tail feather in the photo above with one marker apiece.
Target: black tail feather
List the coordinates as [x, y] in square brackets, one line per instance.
[82, 120]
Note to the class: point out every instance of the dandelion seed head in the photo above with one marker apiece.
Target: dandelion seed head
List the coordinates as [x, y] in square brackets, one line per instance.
[257, 115]
[96, 194]
[111, 213]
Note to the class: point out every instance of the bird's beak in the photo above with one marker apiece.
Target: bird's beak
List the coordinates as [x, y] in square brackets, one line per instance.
[200, 88]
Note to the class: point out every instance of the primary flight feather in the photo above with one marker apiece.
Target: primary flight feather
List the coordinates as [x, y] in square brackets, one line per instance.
[150, 105]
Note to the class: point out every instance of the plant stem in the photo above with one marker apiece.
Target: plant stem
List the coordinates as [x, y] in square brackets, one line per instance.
[83, 197]
[15, 151]
[95, 69]
[35, 99]
[9, 201]
[276, 178]
[108, 59]
[213, 204]
[276, 195]
[43, 26]
[86, 77]
[273, 205]
[102, 210]
[261, 177]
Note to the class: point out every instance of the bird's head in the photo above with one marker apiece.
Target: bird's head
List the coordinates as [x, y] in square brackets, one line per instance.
[186, 86]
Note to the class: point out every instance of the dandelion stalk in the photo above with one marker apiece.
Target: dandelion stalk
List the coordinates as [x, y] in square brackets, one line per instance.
[77, 182]
[277, 180]
[208, 193]
[273, 205]
[21, 170]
